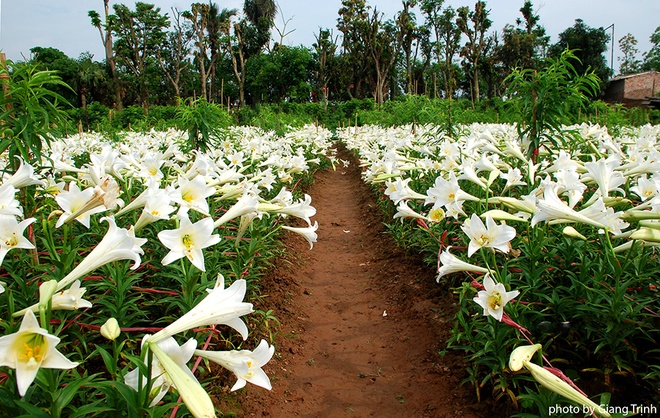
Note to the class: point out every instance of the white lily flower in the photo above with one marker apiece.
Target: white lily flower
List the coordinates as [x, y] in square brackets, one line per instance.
[245, 364]
[24, 176]
[436, 215]
[156, 207]
[73, 201]
[568, 183]
[29, 349]
[243, 206]
[150, 168]
[9, 205]
[490, 235]
[445, 192]
[645, 188]
[309, 233]
[399, 190]
[117, 244]
[11, 234]
[105, 196]
[513, 178]
[470, 174]
[494, 298]
[192, 194]
[71, 298]
[188, 241]
[220, 306]
[405, 212]
[521, 357]
[605, 215]
[552, 208]
[604, 174]
[303, 209]
[449, 263]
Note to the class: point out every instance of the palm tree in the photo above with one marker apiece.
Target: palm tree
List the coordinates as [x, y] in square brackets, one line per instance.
[261, 14]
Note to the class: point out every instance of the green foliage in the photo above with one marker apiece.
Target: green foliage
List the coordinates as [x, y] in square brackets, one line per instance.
[589, 45]
[31, 110]
[594, 309]
[280, 76]
[202, 120]
[141, 300]
[652, 57]
[549, 98]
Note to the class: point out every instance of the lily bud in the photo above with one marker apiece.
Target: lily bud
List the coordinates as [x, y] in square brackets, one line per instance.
[571, 232]
[194, 396]
[501, 215]
[110, 329]
[646, 234]
[522, 354]
[46, 292]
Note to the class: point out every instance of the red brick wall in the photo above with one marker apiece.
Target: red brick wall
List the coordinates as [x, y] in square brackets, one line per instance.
[641, 86]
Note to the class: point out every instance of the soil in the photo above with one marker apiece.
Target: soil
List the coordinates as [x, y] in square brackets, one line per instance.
[362, 323]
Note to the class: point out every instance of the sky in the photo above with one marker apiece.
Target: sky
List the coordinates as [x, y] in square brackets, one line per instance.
[64, 24]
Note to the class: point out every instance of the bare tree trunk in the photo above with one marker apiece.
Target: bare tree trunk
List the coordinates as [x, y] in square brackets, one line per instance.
[110, 56]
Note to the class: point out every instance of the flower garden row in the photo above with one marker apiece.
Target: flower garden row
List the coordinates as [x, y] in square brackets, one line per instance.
[127, 267]
[552, 255]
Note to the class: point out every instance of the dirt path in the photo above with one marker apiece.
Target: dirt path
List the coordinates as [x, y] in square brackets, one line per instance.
[362, 324]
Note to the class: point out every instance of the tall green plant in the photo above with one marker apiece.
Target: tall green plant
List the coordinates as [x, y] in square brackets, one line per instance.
[202, 120]
[550, 98]
[30, 111]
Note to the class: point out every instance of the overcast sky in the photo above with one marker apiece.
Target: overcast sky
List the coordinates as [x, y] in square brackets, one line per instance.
[64, 24]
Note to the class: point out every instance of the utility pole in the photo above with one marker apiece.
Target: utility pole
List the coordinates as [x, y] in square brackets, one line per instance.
[611, 49]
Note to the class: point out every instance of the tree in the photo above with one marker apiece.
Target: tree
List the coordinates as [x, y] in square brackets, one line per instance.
[353, 23]
[173, 56]
[652, 57]
[105, 30]
[218, 24]
[236, 48]
[325, 49]
[407, 35]
[588, 45]
[139, 34]
[450, 38]
[629, 62]
[474, 24]
[522, 45]
[198, 18]
[432, 10]
[89, 76]
[382, 45]
[281, 75]
[260, 15]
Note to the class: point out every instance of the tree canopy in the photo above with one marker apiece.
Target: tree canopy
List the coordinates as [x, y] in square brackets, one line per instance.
[228, 56]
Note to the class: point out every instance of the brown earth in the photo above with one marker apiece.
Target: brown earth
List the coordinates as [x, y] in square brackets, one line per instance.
[362, 323]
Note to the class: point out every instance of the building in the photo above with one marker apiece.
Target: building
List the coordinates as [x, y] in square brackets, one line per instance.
[634, 89]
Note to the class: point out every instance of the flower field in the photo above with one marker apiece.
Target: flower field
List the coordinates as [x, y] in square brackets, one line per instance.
[128, 267]
[553, 256]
